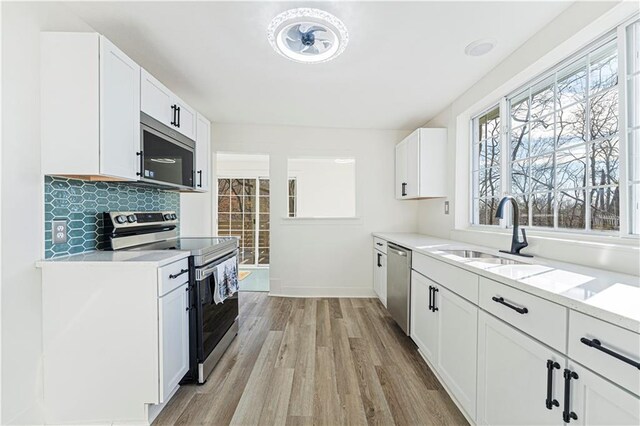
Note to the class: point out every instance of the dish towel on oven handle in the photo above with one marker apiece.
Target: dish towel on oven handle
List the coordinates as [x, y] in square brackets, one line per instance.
[226, 277]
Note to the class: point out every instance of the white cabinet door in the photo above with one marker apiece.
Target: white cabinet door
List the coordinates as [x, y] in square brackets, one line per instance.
[512, 377]
[203, 156]
[596, 401]
[457, 346]
[401, 170]
[119, 112]
[423, 321]
[174, 339]
[185, 118]
[156, 99]
[413, 165]
[380, 275]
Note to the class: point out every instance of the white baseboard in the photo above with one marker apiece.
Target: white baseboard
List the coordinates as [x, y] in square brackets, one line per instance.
[154, 410]
[330, 292]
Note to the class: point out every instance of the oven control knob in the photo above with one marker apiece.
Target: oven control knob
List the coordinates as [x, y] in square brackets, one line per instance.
[167, 216]
[121, 219]
[131, 218]
[173, 216]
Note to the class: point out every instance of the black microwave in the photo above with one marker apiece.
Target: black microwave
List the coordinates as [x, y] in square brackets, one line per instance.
[167, 157]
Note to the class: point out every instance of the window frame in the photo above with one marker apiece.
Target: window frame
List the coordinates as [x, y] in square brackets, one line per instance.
[619, 34]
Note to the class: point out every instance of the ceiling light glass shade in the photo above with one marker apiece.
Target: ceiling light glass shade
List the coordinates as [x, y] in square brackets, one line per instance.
[307, 35]
[480, 47]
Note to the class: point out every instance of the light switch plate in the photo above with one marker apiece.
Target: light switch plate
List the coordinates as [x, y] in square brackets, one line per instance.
[446, 207]
[59, 231]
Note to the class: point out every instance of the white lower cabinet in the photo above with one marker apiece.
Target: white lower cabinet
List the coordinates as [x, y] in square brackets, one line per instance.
[596, 401]
[424, 321]
[512, 377]
[380, 275]
[444, 326]
[457, 346]
[174, 339]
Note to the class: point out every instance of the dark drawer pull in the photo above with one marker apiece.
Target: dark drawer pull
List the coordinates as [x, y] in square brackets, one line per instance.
[182, 271]
[551, 402]
[509, 305]
[595, 343]
[567, 414]
[379, 244]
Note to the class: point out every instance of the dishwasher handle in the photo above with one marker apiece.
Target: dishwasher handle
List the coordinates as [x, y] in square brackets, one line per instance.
[397, 250]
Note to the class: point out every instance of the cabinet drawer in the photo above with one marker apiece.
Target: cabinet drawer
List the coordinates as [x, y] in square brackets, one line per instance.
[544, 320]
[172, 276]
[612, 339]
[380, 244]
[455, 279]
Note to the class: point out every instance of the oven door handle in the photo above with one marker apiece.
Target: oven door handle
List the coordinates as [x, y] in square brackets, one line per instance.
[202, 273]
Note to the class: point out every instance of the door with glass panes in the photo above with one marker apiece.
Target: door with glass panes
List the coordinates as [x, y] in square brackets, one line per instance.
[243, 212]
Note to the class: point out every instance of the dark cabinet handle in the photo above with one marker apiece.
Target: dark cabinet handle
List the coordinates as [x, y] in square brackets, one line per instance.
[379, 244]
[199, 178]
[595, 343]
[509, 305]
[404, 189]
[140, 154]
[379, 257]
[567, 414]
[550, 402]
[435, 290]
[431, 298]
[182, 271]
[178, 123]
[174, 120]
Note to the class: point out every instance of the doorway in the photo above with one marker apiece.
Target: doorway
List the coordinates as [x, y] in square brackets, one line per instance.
[243, 212]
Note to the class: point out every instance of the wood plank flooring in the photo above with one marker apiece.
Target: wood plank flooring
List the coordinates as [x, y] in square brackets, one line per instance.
[315, 361]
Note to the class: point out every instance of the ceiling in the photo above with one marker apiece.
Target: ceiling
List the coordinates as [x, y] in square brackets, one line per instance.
[405, 61]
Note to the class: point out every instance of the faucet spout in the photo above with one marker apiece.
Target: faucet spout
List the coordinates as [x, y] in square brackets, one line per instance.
[516, 244]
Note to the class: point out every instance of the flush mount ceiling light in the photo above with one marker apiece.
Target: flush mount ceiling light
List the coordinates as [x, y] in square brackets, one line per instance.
[307, 35]
[480, 47]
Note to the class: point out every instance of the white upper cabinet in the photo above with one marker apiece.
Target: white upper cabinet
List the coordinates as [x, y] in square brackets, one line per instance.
[203, 153]
[119, 112]
[420, 165]
[90, 108]
[163, 105]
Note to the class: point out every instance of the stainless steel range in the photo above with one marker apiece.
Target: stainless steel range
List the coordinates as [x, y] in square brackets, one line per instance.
[213, 326]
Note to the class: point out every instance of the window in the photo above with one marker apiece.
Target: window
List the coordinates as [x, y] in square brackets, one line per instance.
[564, 146]
[243, 212]
[633, 125]
[486, 167]
[321, 187]
[559, 150]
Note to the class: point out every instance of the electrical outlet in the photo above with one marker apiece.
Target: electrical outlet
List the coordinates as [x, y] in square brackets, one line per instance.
[59, 231]
[446, 207]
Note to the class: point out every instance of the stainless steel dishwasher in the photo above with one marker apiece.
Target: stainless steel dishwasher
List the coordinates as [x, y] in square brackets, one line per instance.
[398, 288]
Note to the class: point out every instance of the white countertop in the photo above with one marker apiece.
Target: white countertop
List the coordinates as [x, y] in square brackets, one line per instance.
[152, 258]
[607, 295]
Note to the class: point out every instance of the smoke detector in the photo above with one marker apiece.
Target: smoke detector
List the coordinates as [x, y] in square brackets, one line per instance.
[307, 35]
[480, 47]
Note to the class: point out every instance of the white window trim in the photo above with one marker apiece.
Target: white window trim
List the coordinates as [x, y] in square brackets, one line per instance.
[615, 20]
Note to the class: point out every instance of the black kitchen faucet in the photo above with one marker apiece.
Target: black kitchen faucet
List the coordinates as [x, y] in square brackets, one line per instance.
[516, 245]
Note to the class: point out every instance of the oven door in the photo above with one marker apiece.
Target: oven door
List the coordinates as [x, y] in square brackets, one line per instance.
[167, 157]
[213, 320]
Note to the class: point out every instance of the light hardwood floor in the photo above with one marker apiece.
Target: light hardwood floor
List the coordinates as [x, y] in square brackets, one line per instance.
[315, 361]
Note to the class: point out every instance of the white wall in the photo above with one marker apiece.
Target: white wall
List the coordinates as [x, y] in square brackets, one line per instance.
[325, 257]
[324, 188]
[22, 186]
[574, 28]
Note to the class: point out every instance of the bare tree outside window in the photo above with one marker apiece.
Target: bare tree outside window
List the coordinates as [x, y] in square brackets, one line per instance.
[564, 146]
[486, 167]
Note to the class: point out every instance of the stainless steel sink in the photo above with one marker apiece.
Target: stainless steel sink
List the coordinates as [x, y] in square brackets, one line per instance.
[471, 254]
[482, 257]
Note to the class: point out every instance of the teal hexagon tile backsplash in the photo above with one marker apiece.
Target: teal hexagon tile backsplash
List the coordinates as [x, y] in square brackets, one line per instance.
[81, 204]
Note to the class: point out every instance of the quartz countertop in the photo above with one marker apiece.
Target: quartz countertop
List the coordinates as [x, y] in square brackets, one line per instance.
[152, 258]
[610, 296]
